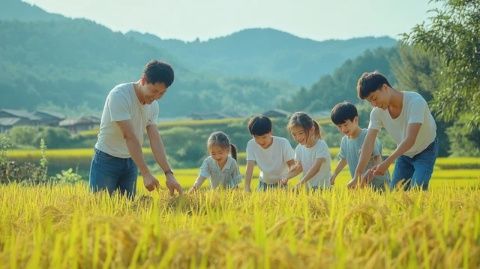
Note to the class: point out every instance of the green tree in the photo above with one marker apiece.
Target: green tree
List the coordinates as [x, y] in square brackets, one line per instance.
[453, 34]
[341, 85]
[464, 141]
[23, 135]
[54, 137]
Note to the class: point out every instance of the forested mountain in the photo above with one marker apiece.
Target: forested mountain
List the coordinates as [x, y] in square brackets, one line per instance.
[266, 53]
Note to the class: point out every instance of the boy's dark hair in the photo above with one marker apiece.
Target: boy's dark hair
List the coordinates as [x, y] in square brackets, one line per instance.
[158, 72]
[259, 125]
[342, 112]
[370, 82]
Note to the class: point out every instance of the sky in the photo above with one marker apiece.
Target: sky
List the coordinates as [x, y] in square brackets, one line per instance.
[205, 19]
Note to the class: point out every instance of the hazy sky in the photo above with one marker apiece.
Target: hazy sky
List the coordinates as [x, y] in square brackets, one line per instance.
[205, 19]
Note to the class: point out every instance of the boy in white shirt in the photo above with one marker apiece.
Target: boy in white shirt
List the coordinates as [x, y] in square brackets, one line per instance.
[408, 120]
[274, 155]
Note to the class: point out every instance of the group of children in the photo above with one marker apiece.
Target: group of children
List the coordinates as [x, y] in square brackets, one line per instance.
[405, 116]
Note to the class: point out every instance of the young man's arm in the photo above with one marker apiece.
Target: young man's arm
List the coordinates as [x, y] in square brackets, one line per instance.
[249, 174]
[158, 150]
[366, 153]
[135, 150]
[406, 144]
[312, 171]
[339, 168]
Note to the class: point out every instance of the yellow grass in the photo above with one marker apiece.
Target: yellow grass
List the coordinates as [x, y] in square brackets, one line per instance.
[66, 226]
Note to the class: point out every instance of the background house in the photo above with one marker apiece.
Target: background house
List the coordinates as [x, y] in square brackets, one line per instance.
[75, 125]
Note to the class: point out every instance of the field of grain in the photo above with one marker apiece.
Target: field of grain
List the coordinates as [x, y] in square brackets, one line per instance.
[65, 226]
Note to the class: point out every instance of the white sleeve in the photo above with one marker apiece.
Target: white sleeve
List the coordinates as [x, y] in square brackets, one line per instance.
[342, 154]
[416, 110]
[375, 119]
[250, 153]
[236, 176]
[322, 151]
[288, 153]
[118, 107]
[204, 169]
[153, 114]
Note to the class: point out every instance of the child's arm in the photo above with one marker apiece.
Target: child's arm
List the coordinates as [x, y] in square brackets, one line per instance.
[312, 171]
[293, 171]
[248, 175]
[339, 168]
[366, 153]
[198, 183]
[406, 144]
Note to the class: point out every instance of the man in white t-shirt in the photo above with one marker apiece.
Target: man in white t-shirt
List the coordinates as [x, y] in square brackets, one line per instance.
[274, 155]
[408, 120]
[130, 109]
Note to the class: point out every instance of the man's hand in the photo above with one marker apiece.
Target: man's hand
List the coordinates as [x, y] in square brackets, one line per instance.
[283, 181]
[380, 169]
[173, 185]
[150, 182]
[352, 184]
[367, 177]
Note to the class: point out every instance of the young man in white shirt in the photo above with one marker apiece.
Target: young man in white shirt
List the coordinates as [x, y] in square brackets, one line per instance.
[130, 109]
[408, 120]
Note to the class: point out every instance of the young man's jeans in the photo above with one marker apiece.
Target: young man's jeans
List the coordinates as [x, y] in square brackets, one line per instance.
[113, 174]
[415, 172]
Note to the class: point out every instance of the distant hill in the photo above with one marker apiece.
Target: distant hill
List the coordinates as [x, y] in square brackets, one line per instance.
[341, 84]
[266, 53]
[48, 60]
[74, 63]
[21, 11]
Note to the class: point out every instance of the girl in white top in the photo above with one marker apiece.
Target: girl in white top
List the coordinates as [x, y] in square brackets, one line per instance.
[311, 154]
[220, 167]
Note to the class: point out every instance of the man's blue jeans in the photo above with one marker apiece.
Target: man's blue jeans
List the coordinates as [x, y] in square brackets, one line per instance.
[416, 171]
[113, 174]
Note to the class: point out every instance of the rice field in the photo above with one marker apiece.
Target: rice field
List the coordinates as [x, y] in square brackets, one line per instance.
[65, 226]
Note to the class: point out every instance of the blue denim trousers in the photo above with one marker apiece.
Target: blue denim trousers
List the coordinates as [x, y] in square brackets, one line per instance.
[113, 174]
[416, 171]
